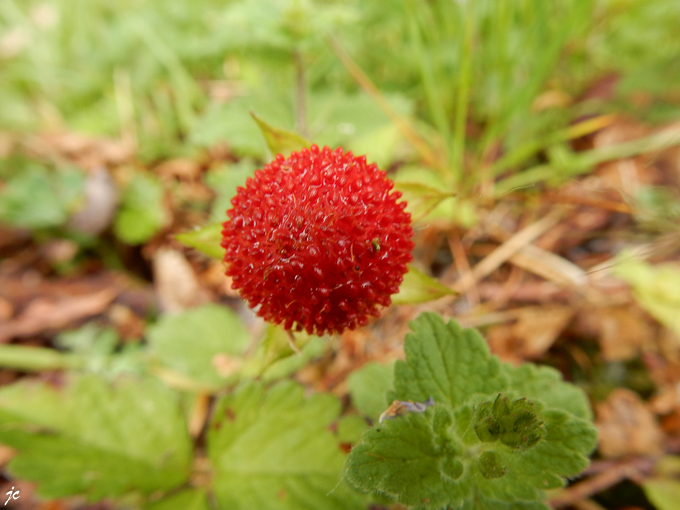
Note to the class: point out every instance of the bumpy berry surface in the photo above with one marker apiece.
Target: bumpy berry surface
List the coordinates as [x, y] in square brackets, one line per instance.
[317, 241]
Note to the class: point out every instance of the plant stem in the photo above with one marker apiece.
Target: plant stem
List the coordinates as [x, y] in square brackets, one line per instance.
[300, 94]
[418, 143]
[35, 359]
[462, 98]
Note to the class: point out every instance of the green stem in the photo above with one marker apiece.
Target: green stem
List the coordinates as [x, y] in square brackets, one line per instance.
[35, 359]
[463, 98]
[300, 94]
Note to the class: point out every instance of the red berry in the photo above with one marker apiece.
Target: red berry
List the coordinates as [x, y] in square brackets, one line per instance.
[317, 241]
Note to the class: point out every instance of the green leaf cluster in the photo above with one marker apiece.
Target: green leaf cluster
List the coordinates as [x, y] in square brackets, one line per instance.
[141, 214]
[656, 288]
[94, 439]
[496, 437]
[38, 197]
[268, 448]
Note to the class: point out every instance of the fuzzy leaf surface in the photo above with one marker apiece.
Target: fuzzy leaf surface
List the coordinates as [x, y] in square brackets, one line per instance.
[94, 439]
[434, 459]
[272, 450]
[446, 362]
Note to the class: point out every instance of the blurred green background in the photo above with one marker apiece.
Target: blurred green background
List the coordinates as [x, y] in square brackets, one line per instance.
[175, 77]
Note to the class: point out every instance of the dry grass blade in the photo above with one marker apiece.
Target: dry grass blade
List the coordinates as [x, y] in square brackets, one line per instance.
[512, 246]
[402, 125]
[549, 266]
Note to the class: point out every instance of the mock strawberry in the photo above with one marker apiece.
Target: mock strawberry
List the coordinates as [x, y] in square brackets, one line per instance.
[317, 241]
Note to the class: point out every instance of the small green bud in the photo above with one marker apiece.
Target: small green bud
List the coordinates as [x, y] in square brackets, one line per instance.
[490, 465]
[485, 425]
[501, 407]
[514, 423]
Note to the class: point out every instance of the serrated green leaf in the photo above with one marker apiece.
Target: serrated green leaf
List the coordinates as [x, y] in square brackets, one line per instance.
[368, 388]
[93, 439]
[656, 288]
[402, 458]
[141, 213]
[545, 385]
[417, 287]
[280, 141]
[205, 239]
[191, 499]
[202, 343]
[663, 493]
[436, 459]
[447, 363]
[272, 450]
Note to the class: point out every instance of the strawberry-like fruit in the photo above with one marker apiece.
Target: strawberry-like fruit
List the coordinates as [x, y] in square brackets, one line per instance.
[317, 241]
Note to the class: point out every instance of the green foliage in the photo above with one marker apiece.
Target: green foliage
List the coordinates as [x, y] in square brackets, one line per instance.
[203, 343]
[272, 450]
[192, 499]
[476, 446]
[417, 287]
[368, 387]
[98, 351]
[95, 439]
[280, 141]
[663, 489]
[205, 239]
[656, 288]
[36, 197]
[224, 181]
[141, 214]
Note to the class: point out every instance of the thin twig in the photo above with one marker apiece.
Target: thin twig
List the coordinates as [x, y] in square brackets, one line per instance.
[300, 94]
[467, 281]
[633, 469]
[513, 246]
[402, 125]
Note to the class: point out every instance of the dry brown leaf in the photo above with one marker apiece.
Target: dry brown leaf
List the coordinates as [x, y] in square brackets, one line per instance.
[536, 328]
[627, 426]
[176, 284]
[180, 168]
[6, 309]
[48, 313]
[622, 331]
[86, 151]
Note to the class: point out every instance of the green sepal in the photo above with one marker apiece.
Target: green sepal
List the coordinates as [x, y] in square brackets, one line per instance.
[205, 239]
[280, 141]
[418, 287]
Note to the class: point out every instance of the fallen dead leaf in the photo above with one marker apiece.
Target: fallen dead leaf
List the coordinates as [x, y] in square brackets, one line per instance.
[622, 331]
[48, 313]
[6, 309]
[627, 426]
[176, 284]
[180, 168]
[536, 328]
